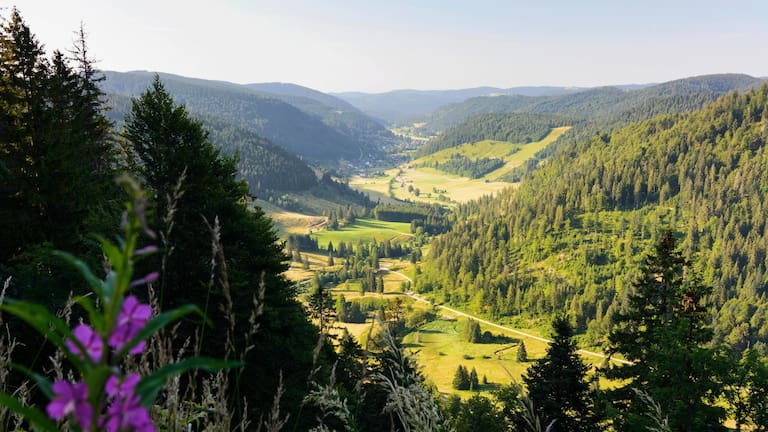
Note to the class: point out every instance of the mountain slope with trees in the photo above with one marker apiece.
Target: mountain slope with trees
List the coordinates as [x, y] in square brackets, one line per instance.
[283, 124]
[568, 238]
[334, 112]
[607, 104]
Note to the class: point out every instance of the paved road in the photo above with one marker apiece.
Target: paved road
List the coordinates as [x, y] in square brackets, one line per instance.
[486, 322]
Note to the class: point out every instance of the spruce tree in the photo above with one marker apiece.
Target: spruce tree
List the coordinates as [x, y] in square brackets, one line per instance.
[663, 331]
[461, 378]
[557, 384]
[174, 149]
[522, 353]
[474, 381]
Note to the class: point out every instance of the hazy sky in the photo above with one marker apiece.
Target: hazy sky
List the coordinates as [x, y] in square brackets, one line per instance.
[366, 45]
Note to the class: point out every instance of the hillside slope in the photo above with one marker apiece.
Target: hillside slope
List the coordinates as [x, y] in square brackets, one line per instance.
[274, 119]
[334, 112]
[605, 103]
[570, 238]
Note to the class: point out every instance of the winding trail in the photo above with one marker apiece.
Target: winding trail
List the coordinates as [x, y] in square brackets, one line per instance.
[486, 322]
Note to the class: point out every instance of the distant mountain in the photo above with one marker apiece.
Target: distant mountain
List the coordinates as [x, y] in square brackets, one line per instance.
[605, 103]
[334, 112]
[403, 106]
[297, 91]
[266, 167]
[280, 122]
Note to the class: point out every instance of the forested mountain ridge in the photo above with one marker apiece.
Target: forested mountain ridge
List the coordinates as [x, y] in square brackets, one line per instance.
[510, 127]
[334, 112]
[604, 103]
[404, 106]
[568, 238]
[280, 122]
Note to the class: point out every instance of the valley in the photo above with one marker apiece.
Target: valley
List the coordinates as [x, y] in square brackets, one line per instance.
[236, 253]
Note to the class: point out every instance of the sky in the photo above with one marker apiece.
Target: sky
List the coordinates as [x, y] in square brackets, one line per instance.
[381, 45]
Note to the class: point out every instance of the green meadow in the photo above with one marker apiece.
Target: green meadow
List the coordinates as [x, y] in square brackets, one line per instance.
[365, 230]
[441, 346]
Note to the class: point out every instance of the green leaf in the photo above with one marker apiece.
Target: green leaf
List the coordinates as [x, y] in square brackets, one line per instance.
[41, 380]
[150, 386]
[41, 319]
[112, 251]
[93, 281]
[38, 420]
[109, 287]
[157, 323]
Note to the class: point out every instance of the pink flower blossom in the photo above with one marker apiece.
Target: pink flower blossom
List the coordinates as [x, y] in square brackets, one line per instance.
[132, 318]
[145, 250]
[90, 340]
[116, 387]
[125, 412]
[71, 399]
[149, 278]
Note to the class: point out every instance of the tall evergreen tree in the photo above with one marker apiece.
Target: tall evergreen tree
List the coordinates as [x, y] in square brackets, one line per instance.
[663, 331]
[172, 146]
[56, 165]
[557, 384]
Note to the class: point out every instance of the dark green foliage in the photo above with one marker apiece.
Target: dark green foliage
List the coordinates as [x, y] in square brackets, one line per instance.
[474, 381]
[522, 353]
[433, 219]
[747, 392]
[472, 332]
[663, 330]
[557, 384]
[479, 414]
[57, 167]
[461, 378]
[265, 166]
[171, 146]
[515, 127]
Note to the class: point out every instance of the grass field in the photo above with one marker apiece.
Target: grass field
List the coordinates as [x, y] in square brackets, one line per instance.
[365, 230]
[288, 222]
[440, 347]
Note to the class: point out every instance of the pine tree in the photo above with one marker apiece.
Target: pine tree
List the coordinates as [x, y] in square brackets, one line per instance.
[474, 381]
[56, 162]
[663, 331]
[461, 378]
[342, 309]
[174, 148]
[522, 353]
[557, 384]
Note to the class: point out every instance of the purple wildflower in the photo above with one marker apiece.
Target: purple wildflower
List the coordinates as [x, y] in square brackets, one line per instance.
[151, 277]
[116, 387]
[71, 399]
[125, 413]
[132, 318]
[145, 250]
[90, 340]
